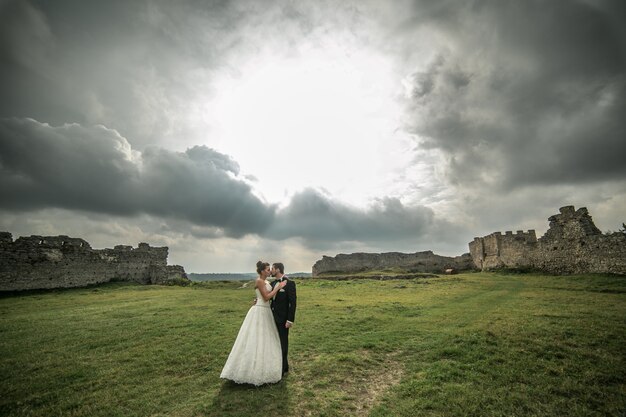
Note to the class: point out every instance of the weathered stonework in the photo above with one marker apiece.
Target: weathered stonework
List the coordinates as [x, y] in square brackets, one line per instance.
[572, 244]
[42, 262]
[425, 261]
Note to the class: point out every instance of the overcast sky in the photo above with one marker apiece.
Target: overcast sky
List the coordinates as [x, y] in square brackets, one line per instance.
[233, 131]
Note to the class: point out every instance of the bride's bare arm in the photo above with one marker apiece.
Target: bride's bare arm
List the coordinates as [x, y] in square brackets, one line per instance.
[267, 295]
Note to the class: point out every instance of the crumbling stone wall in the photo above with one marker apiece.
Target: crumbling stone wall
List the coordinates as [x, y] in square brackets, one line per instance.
[498, 250]
[40, 262]
[425, 261]
[572, 244]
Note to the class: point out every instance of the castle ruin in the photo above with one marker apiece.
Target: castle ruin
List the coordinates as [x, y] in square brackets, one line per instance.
[425, 261]
[46, 262]
[572, 245]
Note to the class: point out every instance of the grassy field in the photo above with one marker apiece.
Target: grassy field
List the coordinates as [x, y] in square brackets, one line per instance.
[464, 345]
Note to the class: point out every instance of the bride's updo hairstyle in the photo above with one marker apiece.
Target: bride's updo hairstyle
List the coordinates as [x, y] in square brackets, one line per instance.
[260, 266]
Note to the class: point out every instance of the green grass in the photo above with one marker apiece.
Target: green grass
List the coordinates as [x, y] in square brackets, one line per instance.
[469, 344]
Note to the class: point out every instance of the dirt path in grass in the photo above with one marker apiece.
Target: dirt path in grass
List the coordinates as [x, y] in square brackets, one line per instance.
[355, 394]
[371, 389]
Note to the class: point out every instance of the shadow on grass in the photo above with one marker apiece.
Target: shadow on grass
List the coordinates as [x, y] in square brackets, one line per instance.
[102, 286]
[246, 400]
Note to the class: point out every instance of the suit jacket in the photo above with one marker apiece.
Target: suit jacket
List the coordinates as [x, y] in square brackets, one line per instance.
[284, 304]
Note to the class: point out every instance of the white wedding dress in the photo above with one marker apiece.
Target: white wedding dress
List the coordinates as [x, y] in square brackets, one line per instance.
[256, 357]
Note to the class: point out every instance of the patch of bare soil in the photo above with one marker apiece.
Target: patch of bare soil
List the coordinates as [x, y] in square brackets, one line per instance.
[371, 388]
[361, 388]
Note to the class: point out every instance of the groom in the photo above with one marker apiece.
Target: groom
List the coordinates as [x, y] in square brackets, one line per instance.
[284, 309]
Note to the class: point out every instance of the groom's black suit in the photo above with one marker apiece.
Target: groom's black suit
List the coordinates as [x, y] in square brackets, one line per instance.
[284, 309]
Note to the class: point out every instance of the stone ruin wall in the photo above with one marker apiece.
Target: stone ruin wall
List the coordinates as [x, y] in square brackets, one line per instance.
[46, 262]
[572, 245]
[498, 250]
[415, 262]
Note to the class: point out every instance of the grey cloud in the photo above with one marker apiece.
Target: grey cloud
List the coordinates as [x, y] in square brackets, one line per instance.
[140, 67]
[143, 68]
[25, 37]
[321, 220]
[524, 92]
[95, 169]
[203, 155]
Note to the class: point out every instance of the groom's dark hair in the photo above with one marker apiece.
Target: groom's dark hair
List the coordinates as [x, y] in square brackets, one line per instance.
[280, 267]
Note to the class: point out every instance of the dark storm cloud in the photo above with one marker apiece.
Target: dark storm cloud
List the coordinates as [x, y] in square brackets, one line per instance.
[321, 219]
[138, 67]
[95, 169]
[524, 93]
[144, 68]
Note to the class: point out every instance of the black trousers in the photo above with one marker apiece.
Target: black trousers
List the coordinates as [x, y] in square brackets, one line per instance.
[283, 333]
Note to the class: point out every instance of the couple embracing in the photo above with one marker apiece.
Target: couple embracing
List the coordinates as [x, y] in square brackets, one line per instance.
[259, 354]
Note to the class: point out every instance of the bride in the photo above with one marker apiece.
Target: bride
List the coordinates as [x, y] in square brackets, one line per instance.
[256, 356]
